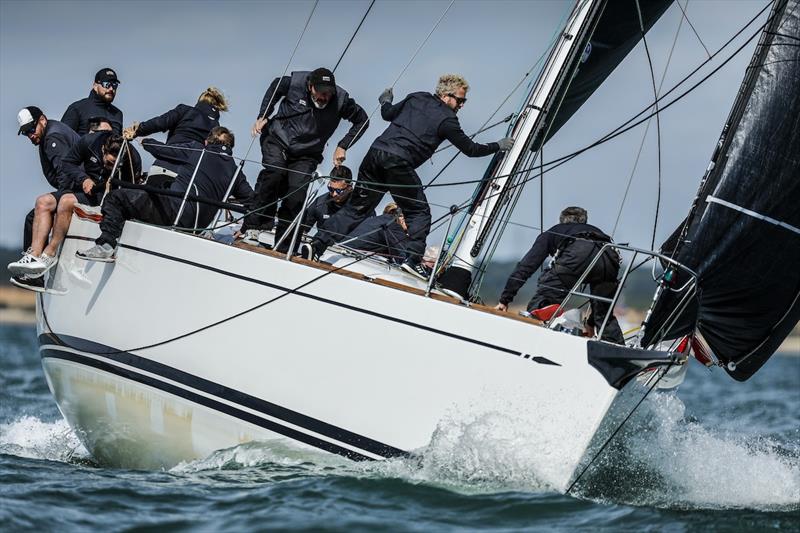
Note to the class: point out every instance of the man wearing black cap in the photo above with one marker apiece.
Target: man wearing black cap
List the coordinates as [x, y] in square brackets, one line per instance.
[97, 104]
[311, 107]
[54, 140]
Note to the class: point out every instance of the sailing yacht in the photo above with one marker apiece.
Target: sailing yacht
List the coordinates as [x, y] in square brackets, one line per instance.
[153, 359]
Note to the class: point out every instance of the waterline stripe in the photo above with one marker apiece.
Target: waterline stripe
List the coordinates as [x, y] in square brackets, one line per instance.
[220, 391]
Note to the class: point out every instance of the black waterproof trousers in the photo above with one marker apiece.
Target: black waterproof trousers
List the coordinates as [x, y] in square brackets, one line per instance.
[553, 288]
[381, 172]
[129, 204]
[285, 179]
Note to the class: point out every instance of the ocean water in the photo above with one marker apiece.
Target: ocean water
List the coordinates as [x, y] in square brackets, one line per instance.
[718, 455]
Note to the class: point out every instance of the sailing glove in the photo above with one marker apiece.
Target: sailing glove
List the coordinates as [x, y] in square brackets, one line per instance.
[505, 144]
[386, 96]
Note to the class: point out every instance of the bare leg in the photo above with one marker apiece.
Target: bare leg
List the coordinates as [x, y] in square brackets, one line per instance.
[61, 225]
[42, 221]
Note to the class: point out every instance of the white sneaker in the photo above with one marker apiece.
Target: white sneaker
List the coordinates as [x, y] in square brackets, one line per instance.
[103, 253]
[32, 266]
[251, 236]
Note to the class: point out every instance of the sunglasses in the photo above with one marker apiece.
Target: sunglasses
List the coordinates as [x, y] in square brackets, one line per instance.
[335, 192]
[458, 99]
[109, 84]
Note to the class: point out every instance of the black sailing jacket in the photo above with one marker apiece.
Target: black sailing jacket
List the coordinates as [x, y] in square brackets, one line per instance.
[85, 159]
[78, 114]
[183, 124]
[572, 259]
[211, 181]
[57, 141]
[419, 124]
[302, 129]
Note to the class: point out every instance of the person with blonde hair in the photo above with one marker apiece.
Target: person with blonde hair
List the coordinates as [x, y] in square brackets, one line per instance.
[184, 124]
[418, 125]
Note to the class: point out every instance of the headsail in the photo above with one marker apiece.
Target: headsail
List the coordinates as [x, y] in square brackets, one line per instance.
[597, 37]
[743, 235]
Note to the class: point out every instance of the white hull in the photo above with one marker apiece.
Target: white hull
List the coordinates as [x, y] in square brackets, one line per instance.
[341, 364]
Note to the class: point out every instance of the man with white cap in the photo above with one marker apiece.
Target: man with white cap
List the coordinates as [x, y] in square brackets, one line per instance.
[97, 104]
[54, 140]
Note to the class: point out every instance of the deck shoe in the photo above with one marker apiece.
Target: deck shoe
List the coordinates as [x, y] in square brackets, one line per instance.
[103, 253]
[23, 266]
[37, 267]
[31, 284]
[416, 269]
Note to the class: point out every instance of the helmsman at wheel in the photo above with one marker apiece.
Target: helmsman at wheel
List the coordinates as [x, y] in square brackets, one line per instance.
[419, 124]
[311, 107]
[573, 243]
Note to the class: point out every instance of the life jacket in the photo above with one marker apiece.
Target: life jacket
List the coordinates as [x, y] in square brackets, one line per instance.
[576, 252]
[299, 126]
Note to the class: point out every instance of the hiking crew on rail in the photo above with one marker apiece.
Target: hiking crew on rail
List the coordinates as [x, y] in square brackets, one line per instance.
[419, 124]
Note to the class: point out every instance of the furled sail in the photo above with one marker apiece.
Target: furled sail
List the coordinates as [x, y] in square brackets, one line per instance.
[742, 237]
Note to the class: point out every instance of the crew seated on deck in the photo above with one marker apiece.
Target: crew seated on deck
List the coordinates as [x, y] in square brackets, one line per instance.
[573, 243]
[53, 139]
[86, 169]
[340, 185]
[386, 234]
[211, 180]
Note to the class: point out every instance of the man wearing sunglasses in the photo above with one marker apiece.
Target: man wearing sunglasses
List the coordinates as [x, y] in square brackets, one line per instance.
[97, 104]
[54, 141]
[418, 126]
[340, 186]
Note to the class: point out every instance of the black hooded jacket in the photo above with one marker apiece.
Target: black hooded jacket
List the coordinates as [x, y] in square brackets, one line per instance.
[572, 258]
[302, 129]
[183, 124]
[78, 114]
[419, 124]
[56, 143]
[211, 180]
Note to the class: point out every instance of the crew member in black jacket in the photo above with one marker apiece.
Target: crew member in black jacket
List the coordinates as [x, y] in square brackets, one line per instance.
[418, 126]
[386, 234]
[211, 181]
[86, 167]
[340, 187]
[184, 124]
[54, 140]
[97, 104]
[574, 244]
[311, 107]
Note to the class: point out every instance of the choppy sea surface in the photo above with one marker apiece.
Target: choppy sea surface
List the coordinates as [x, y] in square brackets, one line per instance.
[718, 455]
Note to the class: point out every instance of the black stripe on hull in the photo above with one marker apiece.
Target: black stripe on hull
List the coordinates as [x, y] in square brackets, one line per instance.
[245, 400]
[540, 360]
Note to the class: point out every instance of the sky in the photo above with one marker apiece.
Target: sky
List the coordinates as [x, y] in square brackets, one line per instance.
[168, 52]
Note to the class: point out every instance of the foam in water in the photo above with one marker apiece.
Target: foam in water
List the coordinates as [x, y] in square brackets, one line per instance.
[686, 465]
[31, 438]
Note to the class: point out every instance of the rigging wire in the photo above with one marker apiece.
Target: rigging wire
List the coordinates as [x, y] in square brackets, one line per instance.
[658, 119]
[405, 68]
[347, 47]
[618, 428]
[647, 127]
[685, 16]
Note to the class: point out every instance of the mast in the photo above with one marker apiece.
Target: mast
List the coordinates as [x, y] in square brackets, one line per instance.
[508, 170]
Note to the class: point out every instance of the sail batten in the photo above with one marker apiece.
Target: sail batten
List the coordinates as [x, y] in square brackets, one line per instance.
[743, 236]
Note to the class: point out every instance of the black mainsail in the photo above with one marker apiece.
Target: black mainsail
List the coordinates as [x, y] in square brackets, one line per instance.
[742, 237]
